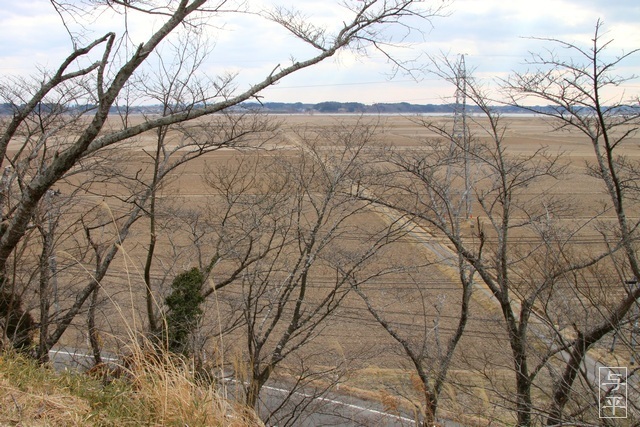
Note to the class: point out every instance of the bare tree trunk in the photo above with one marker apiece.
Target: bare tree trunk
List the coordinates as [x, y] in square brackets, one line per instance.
[150, 300]
[255, 386]
[45, 297]
[94, 335]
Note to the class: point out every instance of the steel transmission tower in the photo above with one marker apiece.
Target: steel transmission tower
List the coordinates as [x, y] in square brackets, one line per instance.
[460, 132]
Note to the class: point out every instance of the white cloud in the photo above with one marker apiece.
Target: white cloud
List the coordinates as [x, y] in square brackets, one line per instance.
[492, 32]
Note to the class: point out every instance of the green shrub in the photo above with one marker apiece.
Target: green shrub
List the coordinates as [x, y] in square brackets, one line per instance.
[183, 309]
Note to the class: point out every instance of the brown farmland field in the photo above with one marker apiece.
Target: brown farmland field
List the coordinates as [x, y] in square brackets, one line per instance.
[422, 301]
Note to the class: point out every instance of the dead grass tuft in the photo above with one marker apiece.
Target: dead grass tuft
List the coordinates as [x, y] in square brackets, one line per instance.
[31, 395]
[154, 391]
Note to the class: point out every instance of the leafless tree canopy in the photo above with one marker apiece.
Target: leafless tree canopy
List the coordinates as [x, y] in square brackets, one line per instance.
[61, 123]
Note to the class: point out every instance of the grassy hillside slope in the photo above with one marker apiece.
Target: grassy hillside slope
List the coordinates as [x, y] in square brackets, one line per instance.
[148, 393]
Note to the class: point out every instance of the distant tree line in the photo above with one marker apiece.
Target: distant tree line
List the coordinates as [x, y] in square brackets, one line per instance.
[327, 107]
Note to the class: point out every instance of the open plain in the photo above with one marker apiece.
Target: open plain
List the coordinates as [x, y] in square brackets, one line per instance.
[414, 281]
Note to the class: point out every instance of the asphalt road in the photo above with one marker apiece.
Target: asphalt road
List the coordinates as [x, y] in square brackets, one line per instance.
[333, 409]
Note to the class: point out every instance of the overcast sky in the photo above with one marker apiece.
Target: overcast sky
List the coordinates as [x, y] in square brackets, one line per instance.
[493, 34]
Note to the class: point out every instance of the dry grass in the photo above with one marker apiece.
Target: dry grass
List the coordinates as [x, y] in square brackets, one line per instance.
[153, 391]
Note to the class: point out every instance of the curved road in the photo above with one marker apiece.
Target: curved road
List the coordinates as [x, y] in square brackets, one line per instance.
[332, 409]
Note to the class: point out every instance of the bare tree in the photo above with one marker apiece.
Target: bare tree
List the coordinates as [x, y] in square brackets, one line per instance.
[431, 187]
[575, 91]
[320, 244]
[176, 87]
[425, 176]
[62, 119]
[431, 353]
[526, 258]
